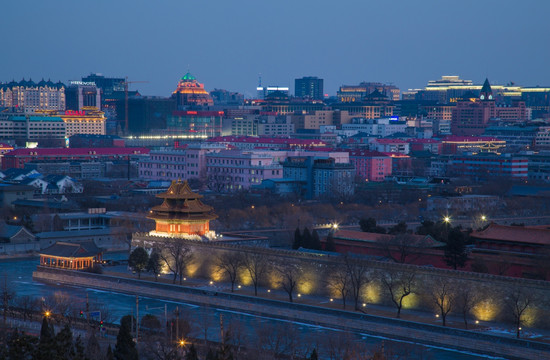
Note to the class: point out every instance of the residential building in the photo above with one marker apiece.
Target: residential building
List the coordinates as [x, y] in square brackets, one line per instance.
[323, 177]
[31, 128]
[233, 170]
[370, 165]
[249, 142]
[224, 97]
[19, 157]
[310, 87]
[490, 166]
[186, 162]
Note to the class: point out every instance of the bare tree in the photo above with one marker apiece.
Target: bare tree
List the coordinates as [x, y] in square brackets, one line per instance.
[400, 285]
[339, 281]
[466, 298]
[230, 263]
[443, 296]
[7, 297]
[518, 301]
[358, 274]
[289, 278]
[402, 248]
[28, 306]
[256, 266]
[176, 255]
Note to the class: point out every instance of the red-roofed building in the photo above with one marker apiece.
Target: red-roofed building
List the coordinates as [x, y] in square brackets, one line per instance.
[249, 143]
[17, 158]
[391, 145]
[431, 145]
[456, 144]
[371, 165]
[406, 248]
[513, 250]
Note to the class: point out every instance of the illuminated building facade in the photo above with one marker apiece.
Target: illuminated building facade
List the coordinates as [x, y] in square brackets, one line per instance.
[205, 123]
[190, 93]
[28, 96]
[359, 93]
[182, 212]
[88, 120]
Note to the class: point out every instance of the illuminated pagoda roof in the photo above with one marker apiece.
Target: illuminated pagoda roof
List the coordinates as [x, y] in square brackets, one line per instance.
[188, 84]
[181, 203]
[188, 77]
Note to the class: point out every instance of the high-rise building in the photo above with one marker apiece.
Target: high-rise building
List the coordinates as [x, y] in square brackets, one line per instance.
[310, 87]
[107, 85]
[80, 94]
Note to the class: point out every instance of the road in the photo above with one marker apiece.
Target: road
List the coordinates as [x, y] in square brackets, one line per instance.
[205, 319]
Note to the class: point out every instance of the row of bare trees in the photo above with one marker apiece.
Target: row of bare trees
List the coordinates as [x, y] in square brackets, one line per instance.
[350, 278]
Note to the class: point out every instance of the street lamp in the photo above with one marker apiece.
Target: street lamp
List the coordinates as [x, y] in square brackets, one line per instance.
[483, 218]
[447, 219]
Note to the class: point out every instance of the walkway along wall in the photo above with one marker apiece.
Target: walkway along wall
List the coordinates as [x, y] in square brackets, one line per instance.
[345, 320]
[492, 293]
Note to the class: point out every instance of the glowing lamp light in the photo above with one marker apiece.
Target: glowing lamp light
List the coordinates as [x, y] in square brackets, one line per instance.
[211, 282]
[299, 295]
[477, 321]
[239, 286]
[364, 305]
[47, 314]
[268, 290]
[447, 219]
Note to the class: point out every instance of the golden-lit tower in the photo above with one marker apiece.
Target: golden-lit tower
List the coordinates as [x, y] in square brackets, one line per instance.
[191, 93]
[182, 212]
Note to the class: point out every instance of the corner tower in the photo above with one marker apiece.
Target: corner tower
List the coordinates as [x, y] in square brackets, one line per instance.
[182, 212]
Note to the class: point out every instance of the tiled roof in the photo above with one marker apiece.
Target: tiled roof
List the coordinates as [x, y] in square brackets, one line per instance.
[514, 234]
[423, 240]
[264, 140]
[455, 138]
[72, 250]
[78, 151]
[370, 153]
[391, 141]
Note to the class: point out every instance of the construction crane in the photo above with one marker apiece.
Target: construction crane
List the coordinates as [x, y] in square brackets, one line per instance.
[126, 102]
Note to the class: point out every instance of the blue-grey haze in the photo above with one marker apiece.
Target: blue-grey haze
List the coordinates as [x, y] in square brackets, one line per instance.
[226, 44]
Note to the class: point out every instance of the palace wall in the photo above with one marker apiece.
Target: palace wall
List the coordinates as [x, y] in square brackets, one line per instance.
[491, 291]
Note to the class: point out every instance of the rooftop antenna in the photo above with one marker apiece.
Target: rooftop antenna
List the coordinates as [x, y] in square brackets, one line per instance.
[260, 80]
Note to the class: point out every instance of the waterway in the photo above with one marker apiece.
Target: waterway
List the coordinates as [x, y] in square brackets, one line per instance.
[206, 320]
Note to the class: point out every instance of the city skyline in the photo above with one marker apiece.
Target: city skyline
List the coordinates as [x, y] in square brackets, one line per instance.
[230, 45]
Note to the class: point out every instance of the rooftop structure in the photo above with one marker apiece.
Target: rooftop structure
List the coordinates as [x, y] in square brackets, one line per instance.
[191, 93]
[181, 213]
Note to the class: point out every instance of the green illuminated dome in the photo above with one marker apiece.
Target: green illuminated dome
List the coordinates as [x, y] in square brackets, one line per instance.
[188, 77]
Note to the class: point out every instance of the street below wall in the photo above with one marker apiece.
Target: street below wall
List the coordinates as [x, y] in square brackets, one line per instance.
[368, 325]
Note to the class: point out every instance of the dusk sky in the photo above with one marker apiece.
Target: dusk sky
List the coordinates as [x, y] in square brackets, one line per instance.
[226, 44]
